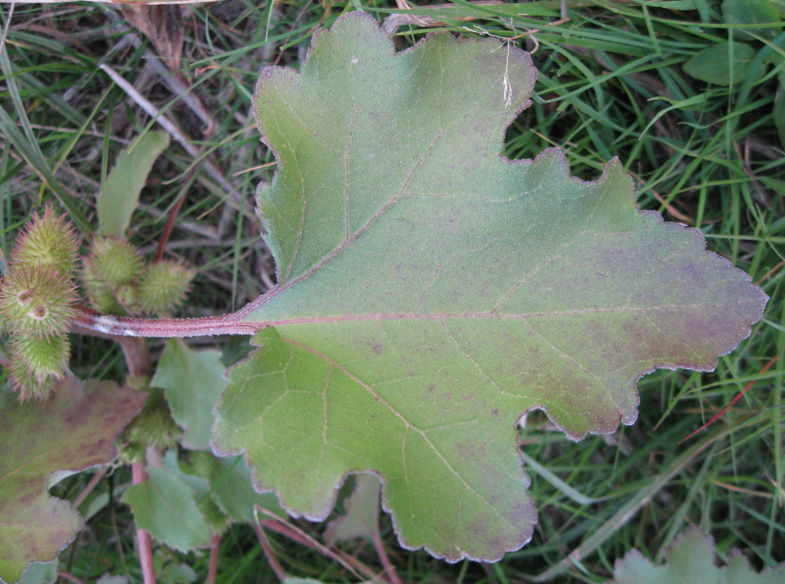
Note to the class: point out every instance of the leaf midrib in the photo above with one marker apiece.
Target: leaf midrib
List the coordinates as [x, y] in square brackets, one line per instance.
[493, 314]
[351, 238]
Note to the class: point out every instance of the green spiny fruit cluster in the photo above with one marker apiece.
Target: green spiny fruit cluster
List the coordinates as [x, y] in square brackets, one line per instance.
[37, 297]
[154, 426]
[118, 281]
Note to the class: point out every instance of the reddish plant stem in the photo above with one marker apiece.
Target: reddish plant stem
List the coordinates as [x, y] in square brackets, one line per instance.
[145, 543]
[349, 562]
[212, 571]
[90, 486]
[137, 359]
[269, 553]
[721, 413]
[123, 326]
[389, 568]
[169, 225]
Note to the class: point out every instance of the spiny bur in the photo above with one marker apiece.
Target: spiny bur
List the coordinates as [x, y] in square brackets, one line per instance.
[37, 302]
[48, 241]
[163, 286]
[127, 296]
[202, 464]
[25, 382]
[154, 425]
[44, 358]
[115, 261]
[99, 293]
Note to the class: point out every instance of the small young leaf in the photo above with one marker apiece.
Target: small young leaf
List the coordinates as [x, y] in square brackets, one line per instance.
[120, 194]
[40, 573]
[165, 506]
[192, 381]
[430, 291]
[721, 64]
[232, 489]
[691, 559]
[226, 481]
[75, 430]
[752, 12]
[202, 491]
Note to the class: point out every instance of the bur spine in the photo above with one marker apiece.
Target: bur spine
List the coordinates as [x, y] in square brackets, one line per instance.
[163, 286]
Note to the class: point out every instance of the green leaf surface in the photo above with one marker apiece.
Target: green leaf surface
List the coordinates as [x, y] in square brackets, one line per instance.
[74, 430]
[192, 381]
[120, 193]
[430, 291]
[691, 558]
[721, 64]
[40, 573]
[201, 491]
[232, 489]
[165, 506]
[226, 482]
[752, 12]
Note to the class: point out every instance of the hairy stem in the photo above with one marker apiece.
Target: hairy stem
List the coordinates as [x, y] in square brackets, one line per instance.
[212, 571]
[143, 537]
[137, 359]
[89, 320]
[275, 565]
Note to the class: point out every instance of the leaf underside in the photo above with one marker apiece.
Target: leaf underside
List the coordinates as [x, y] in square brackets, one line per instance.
[430, 291]
[74, 430]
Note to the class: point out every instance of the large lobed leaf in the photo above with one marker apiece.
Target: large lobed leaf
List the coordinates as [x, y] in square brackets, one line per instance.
[74, 430]
[430, 292]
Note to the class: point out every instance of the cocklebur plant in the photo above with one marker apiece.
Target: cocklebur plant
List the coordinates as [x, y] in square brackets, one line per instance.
[429, 293]
[37, 296]
[39, 301]
[117, 280]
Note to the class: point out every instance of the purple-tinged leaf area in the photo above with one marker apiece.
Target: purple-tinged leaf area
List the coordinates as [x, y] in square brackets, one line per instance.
[691, 559]
[431, 291]
[74, 430]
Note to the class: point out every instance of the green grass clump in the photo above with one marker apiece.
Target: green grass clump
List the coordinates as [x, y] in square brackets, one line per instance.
[612, 82]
